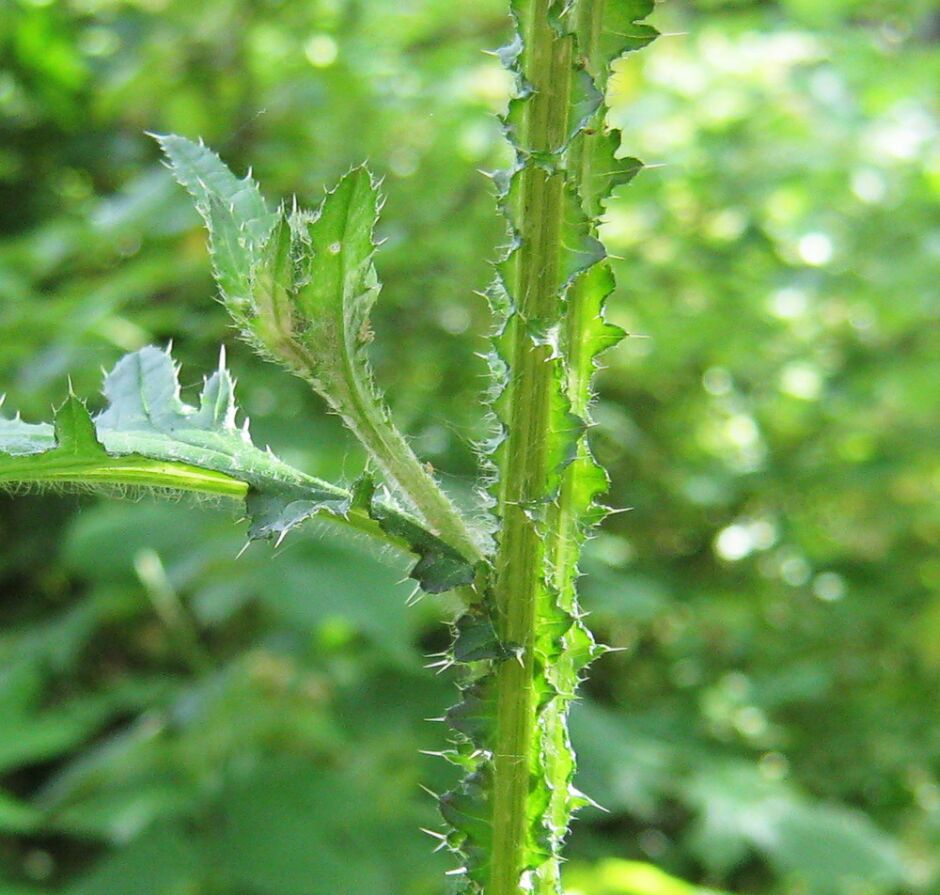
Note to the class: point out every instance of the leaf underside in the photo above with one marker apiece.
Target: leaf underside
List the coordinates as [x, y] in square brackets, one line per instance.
[148, 438]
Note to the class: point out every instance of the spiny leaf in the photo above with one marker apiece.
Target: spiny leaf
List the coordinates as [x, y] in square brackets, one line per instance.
[622, 31]
[69, 453]
[146, 415]
[235, 213]
[19, 438]
[148, 437]
[300, 286]
[336, 289]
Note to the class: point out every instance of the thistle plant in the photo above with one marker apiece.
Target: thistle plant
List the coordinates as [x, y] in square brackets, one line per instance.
[300, 286]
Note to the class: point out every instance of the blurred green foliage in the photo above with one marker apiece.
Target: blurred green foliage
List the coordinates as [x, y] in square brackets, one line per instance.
[174, 721]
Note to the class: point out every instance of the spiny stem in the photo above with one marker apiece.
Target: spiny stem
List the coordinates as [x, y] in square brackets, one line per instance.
[578, 349]
[520, 558]
[390, 449]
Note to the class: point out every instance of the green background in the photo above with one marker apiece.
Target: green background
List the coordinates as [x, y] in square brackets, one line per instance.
[176, 722]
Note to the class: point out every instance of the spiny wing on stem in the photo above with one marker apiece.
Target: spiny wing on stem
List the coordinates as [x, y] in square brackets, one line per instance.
[148, 438]
[609, 30]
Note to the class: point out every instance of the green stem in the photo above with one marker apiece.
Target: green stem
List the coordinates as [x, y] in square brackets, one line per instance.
[367, 418]
[520, 559]
[390, 449]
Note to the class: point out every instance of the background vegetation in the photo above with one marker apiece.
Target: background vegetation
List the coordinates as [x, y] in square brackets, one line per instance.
[173, 722]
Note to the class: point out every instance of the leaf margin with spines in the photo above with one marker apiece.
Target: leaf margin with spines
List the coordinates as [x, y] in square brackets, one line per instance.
[288, 317]
[160, 443]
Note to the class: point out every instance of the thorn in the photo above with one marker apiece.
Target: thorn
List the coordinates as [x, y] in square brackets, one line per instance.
[441, 666]
[430, 792]
[241, 552]
[442, 839]
[280, 538]
[611, 511]
[432, 753]
[221, 358]
[576, 793]
[456, 871]
[441, 719]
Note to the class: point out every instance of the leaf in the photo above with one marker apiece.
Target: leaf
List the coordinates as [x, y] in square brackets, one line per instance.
[607, 31]
[161, 860]
[269, 265]
[300, 286]
[828, 848]
[440, 567]
[595, 155]
[235, 213]
[614, 876]
[145, 415]
[69, 453]
[290, 827]
[341, 286]
[148, 438]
